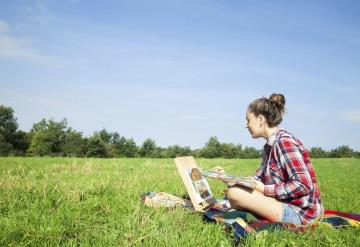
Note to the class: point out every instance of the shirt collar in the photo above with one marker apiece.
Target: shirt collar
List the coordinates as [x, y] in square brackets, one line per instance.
[272, 138]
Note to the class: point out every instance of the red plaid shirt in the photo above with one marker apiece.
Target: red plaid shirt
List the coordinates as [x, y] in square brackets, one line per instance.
[288, 175]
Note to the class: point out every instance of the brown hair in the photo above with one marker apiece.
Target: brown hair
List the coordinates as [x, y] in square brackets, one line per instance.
[271, 108]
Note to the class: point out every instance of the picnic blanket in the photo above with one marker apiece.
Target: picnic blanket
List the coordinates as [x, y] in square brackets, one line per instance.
[243, 223]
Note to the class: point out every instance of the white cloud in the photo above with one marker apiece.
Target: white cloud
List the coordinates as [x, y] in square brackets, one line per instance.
[15, 48]
[352, 116]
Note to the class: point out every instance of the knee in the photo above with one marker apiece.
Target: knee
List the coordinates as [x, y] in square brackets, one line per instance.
[232, 194]
[235, 196]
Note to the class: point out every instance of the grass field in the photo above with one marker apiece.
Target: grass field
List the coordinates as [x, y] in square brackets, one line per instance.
[72, 202]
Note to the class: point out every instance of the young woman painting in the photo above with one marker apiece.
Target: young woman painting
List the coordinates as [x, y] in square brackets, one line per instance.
[286, 186]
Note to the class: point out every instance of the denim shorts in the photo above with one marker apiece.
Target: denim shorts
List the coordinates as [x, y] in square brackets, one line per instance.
[289, 215]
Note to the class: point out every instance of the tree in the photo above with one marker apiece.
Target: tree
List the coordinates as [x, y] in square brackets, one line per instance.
[228, 150]
[8, 127]
[342, 152]
[41, 144]
[148, 148]
[74, 144]
[239, 150]
[22, 142]
[48, 137]
[211, 149]
[96, 147]
[120, 146]
[5, 147]
[130, 149]
[176, 150]
[105, 136]
[250, 153]
[117, 145]
[159, 153]
[318, 152]
[356, 154]
[213, 142]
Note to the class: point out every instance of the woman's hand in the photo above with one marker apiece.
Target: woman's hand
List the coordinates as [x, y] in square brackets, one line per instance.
[259, 186]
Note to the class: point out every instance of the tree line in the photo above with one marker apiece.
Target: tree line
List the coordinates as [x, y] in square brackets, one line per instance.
[55, 138]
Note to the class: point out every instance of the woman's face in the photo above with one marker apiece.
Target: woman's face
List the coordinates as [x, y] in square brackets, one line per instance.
[254, 124]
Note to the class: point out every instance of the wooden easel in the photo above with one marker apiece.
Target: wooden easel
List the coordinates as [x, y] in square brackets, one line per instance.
[185, 166]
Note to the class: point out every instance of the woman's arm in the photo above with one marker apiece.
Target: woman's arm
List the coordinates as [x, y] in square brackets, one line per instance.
[299, 181]
[259, 186]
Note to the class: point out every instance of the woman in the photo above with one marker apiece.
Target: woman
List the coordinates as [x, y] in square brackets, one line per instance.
[286, 187]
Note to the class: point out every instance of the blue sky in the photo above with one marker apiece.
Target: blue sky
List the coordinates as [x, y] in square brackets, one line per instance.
[181, 71]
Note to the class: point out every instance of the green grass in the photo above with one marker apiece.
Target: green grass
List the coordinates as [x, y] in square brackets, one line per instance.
[72, 202]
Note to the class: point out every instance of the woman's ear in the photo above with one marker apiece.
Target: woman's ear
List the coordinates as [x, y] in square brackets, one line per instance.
[262, 120]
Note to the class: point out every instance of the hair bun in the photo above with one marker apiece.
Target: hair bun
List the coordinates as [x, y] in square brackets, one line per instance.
[278, 100]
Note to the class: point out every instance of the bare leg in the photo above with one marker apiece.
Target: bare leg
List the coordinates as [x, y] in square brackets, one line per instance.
[255, 202]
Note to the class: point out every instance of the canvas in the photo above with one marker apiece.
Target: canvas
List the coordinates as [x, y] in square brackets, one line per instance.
[196, 185]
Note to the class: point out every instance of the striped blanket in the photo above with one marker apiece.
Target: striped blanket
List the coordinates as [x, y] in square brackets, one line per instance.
[244, 223]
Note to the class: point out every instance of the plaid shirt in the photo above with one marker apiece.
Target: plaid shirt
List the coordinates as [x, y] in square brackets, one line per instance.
[288, 175]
